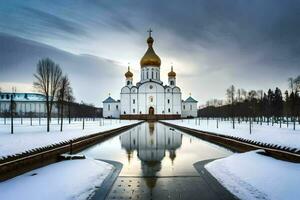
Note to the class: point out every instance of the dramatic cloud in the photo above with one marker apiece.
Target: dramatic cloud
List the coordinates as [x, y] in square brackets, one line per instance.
[252, 44]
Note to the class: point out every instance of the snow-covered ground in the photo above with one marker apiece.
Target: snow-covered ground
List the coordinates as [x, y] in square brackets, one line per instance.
[254, 176]
[28, 137]
[73, 179]
[284, 136]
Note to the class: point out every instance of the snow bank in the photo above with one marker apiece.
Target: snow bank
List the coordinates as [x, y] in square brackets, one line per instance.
[254, 176]
[261, 133]
[28, 137]
[74, 179]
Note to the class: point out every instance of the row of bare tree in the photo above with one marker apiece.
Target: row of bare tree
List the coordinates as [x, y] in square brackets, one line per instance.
[51, 82]
[257, 104]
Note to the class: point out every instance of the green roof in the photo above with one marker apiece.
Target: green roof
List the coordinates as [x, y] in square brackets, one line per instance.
[109, 100]
[190, 99]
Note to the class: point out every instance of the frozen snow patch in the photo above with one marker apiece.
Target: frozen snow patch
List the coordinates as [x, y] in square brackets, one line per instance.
[254, 176]
[72, 179]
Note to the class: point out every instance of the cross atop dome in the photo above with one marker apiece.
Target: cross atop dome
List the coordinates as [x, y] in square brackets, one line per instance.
[150, 59]
[150, 31]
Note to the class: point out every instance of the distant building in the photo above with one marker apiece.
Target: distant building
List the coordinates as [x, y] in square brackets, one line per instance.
[111, 108]
[189, 108]
[150, 98]
[25, 104]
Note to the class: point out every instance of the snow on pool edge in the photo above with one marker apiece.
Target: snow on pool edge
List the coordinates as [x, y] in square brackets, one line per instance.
[254, 176]
[72, 179]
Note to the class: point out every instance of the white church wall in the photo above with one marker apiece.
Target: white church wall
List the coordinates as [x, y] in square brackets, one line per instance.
[177, 103]
[134, 103]
[125, 100]
[150, 72]
[151, 95]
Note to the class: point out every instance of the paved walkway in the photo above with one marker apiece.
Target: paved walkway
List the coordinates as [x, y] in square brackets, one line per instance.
[203, 186]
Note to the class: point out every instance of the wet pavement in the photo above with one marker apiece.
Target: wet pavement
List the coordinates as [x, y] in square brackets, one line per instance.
[163, 188]
[158, 163]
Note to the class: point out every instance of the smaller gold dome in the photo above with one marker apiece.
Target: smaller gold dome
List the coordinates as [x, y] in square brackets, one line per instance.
[128, 74]
[150, 58]
[172, 73]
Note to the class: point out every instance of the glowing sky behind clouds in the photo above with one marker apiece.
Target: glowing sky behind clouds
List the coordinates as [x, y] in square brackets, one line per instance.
[212, 44]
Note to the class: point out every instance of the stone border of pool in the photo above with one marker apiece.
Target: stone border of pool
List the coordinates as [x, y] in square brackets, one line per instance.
[238, 144]
[107, 184]
[44, 156]
[216, 186]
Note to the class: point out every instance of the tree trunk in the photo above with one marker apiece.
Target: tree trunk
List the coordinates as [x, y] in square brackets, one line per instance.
[61, 115]
[69, 112]
[11, 116]
[250, 126]
[83, 123]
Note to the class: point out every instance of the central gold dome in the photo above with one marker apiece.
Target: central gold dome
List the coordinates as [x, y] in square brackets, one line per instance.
[150, 58]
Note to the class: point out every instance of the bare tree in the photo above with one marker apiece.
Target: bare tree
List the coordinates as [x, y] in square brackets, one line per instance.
[252, 95]
[238, 95]
[63, 95]
[230, 93]
[296, 84]
[48, 79]
[291, 83]
[70, 98]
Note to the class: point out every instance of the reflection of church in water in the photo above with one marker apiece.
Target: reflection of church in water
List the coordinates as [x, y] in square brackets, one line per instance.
[151, 141]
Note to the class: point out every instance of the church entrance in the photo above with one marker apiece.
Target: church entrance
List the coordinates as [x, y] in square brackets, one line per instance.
[151, 111]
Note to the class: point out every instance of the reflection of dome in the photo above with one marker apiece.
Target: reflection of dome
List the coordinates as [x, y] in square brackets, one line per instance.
[151, 127]
[151, 182]
[151, 142]
[172, 155]
[150, 58]
[129, 153]
[150, 168]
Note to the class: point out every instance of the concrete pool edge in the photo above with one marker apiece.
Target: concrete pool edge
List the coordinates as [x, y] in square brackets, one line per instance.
[106, 186]
[16, 165]
[215, 185]
[238, 144]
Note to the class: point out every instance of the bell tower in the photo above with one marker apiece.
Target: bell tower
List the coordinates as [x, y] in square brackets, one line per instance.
[129, 77]
[172, 78]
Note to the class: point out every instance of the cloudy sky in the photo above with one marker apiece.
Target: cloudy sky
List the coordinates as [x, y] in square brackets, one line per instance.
[212, 44]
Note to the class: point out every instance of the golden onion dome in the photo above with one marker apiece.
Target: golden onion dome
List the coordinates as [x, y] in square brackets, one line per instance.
[172, 73]
[150, 58]
[128, 74]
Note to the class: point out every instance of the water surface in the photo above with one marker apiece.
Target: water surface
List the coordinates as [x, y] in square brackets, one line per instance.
[153, 149]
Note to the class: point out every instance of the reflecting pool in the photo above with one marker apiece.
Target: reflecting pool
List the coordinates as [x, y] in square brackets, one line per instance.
[153, 149]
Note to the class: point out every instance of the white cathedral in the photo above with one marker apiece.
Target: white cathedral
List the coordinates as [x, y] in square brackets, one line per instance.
[150, 98]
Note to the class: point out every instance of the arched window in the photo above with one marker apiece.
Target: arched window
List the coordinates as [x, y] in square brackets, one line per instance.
[169, 110]
[172, 82]
[147, 75]
[128, 82]
[108, 106]
[152, 74]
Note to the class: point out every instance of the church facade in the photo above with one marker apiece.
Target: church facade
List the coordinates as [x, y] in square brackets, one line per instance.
[150, 98]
